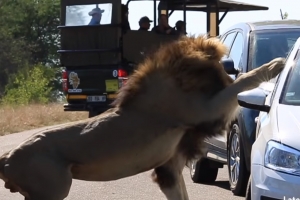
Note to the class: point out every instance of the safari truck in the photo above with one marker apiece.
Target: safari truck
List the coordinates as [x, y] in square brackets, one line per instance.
[98, 58]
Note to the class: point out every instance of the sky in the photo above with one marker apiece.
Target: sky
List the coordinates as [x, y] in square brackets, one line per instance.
[196, 21]
[85, 18]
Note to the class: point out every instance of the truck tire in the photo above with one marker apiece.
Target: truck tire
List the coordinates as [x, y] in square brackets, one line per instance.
[237, 171]
[202, 172]
[93, 113]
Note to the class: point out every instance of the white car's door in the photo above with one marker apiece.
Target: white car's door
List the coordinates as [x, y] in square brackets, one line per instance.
[267, 121]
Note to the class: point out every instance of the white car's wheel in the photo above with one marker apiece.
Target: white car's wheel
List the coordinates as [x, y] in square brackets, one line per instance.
[238, 174]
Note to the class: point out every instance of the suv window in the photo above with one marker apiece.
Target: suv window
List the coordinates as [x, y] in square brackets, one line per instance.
[228, 39]
[237, 50]
[291, 91]
[270, 44]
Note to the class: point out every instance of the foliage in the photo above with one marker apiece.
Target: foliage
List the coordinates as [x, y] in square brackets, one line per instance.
[13, 55]
[29, 85]
[36, 22]
[285, 15]
[28, 36]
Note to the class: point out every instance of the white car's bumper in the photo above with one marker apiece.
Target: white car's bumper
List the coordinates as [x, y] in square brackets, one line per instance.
[273, 184]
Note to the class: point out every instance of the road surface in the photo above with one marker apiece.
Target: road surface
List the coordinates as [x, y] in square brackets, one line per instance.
[139, 187]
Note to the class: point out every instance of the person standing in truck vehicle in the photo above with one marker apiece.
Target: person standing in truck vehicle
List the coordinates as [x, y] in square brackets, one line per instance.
[96, 14]
[144, 23]
[180, 28]
[163, 26]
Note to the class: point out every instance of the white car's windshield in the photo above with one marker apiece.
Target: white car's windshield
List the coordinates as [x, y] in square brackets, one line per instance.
[269, 44]
[291, 93]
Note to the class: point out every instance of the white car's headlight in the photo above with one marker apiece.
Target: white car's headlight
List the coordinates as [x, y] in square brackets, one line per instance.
[282, 158]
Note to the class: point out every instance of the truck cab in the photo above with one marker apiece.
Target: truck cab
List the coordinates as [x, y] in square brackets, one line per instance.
[90, 54]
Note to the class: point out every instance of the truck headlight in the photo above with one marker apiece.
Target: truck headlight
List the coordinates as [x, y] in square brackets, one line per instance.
[282, 158]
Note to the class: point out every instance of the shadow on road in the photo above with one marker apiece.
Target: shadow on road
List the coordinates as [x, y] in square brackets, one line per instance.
[220, 184]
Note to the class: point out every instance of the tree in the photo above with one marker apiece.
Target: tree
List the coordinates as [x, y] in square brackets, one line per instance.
[31, 84]
[12, 57]
[34, 21]
[283, 16]
[28, 35]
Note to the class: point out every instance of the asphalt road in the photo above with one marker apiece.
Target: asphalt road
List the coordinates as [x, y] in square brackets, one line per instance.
[139, 187]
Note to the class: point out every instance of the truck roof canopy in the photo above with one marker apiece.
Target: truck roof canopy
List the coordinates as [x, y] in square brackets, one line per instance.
[203, 5]
[211, 7]
[217, 5]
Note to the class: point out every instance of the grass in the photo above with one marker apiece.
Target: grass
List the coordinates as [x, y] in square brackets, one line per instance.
[15, 119]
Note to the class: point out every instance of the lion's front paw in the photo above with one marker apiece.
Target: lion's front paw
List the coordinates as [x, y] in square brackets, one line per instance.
[278, 59]
[275, 66]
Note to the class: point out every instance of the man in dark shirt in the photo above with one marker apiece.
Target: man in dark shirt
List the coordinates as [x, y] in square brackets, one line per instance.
[163, 27]
[144, 23]
[180, 28]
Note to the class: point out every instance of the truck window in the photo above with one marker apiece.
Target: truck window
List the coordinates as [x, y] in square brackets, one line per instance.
[90, 14]
[237, 50]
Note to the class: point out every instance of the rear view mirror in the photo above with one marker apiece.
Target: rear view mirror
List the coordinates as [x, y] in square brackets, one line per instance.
[228, 65]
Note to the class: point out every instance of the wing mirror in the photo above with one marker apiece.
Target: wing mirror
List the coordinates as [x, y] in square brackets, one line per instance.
[228, 65]
[253, 99]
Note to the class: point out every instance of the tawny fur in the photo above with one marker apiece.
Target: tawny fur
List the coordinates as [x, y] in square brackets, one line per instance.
[177, 97]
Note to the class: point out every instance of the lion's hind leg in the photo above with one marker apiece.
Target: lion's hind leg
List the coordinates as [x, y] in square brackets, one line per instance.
[170, 179]
[41, 178]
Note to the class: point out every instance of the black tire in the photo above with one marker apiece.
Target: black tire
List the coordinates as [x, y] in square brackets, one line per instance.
[248, 192]
[237, 185]
[202, 172]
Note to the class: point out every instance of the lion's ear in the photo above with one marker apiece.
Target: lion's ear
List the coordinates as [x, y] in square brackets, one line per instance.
[213, 48]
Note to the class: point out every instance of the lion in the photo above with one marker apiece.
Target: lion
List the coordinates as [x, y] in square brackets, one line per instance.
[176, 98]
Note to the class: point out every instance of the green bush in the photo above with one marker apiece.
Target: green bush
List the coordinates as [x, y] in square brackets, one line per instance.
[30, 85]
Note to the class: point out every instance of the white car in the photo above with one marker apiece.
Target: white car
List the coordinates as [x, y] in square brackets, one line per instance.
[275, 154]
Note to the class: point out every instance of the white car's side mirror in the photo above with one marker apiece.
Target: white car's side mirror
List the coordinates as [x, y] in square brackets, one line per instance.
[253, 99]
